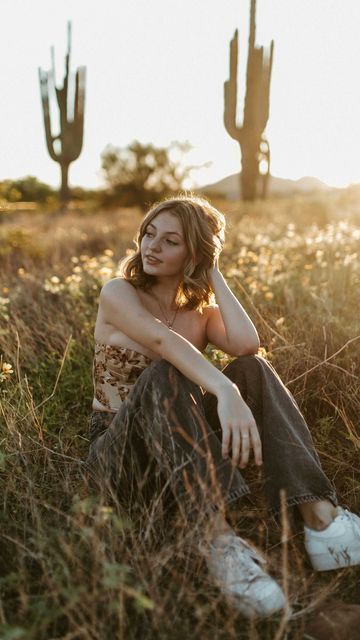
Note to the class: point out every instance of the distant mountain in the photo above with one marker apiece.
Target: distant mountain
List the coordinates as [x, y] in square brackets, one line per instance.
[229, 187]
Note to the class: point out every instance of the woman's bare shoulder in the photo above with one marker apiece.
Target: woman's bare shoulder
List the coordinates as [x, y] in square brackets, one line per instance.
[210, 308]
[115, 285]
[118, 293]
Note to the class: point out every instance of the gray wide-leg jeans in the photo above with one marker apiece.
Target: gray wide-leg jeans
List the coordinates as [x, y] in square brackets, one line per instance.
[165, 440]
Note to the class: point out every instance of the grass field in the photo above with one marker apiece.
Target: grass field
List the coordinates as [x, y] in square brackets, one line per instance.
[74, 568]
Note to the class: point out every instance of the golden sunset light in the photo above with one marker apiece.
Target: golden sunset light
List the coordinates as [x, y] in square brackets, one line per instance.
[179, 320]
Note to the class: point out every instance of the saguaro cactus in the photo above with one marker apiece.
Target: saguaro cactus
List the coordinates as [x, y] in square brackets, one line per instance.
[66, 146]
[253, 144]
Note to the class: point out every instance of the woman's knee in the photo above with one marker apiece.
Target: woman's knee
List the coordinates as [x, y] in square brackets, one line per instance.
[161, 368]
[156, 369]
[163, 373]
[247, 357]
[243, 362]
[242, 369]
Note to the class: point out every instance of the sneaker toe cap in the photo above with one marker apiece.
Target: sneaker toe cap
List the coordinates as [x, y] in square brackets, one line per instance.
[263, 598]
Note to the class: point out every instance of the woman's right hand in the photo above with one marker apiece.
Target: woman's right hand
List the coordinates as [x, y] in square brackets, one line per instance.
[238, 427]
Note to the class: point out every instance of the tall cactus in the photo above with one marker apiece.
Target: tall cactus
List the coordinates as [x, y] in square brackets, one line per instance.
[70, 137]
[253, 144]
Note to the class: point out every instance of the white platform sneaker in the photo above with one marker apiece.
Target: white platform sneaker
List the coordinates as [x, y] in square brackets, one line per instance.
[235, 567]
[338, 545]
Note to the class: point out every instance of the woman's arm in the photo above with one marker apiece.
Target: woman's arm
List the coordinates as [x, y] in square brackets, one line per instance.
[229, 327]
[122, 308]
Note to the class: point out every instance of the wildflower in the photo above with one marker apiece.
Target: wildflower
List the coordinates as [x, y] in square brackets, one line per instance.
[280, 321]
[5, 370]
[53, 285]
[4, 311]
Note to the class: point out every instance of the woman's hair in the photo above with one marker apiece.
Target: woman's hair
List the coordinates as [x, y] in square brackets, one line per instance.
[204, 232]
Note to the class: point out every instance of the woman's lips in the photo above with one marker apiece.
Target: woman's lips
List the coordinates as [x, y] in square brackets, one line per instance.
[152, 260]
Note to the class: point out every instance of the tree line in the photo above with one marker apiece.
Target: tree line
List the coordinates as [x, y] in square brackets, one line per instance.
[133, 175]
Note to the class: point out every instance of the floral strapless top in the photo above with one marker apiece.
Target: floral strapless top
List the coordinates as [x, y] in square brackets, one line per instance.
[115, 371]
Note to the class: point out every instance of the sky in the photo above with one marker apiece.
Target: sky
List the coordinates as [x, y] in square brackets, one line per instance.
[155, 73]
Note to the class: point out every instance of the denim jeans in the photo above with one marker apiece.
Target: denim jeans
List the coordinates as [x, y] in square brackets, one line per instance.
[166, 437]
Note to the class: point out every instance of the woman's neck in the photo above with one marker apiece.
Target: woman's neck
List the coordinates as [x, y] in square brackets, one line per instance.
[165, 292]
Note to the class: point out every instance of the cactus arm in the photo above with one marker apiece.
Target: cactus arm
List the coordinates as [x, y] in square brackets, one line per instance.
[264, 100]
[252, 28]
[78, 125]
[251, 48]
[73, 129]
[230, 92]
[266, 85]
[44, 89]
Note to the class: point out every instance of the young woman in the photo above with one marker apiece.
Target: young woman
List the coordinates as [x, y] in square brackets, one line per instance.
[164, 418]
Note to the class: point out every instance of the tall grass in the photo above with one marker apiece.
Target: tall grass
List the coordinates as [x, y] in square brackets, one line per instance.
[72, 565]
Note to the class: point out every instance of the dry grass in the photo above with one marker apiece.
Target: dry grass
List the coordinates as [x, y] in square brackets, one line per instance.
[73, 566]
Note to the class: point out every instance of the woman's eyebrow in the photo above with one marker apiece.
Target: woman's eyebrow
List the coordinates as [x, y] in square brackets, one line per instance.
[166, 232]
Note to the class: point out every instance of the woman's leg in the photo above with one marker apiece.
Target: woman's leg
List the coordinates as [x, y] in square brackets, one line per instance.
[290, 460]
[317, 515]
[161, 433]
[163, 418]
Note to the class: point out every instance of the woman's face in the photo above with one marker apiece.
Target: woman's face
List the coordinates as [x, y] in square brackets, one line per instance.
[163, 248]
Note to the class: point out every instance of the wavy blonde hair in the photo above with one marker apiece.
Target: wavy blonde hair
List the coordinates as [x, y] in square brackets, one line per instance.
[203, 227]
